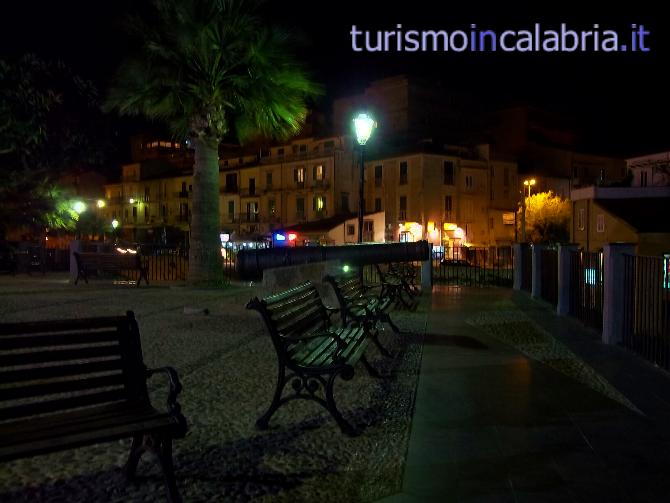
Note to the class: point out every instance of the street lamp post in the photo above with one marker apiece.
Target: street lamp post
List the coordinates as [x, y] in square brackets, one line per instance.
[529, 184]
[363, 125]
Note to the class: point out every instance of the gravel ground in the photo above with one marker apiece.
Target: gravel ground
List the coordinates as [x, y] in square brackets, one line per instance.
[227, 366]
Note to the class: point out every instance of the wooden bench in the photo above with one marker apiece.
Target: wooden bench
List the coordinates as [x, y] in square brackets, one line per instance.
[311, 352]
[71, 383]
[105, 263]
[359, 305]
[397, 286]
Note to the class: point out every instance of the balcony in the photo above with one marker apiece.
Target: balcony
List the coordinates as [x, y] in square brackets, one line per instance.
[246, 192]
[182, 194]
[320, 184]
[300, 216]
[231, 218]
[402, 215]
[229, 189]
[300, 185]
[250, 218]
[319, 214]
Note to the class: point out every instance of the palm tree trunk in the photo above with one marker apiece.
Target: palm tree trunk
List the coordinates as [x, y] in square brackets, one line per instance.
[204, 256]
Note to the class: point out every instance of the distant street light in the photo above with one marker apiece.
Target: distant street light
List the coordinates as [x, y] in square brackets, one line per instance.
[131, 200]
[115, 224]
[101, 203]
[79, 207]
[363, 125]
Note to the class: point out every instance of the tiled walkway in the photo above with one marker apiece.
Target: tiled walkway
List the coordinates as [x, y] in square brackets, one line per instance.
[515, 404]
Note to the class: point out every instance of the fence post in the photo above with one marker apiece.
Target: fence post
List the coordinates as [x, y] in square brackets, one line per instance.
[564, 286]
[427, 271]
[517, 249]
[613, 294]
[536, 268]
[75, 246]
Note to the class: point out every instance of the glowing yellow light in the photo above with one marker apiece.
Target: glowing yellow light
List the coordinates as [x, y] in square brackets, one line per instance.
[79, 207]
[430, 227]
[448, 226]
[131, 200]
[459, 233]
[101, 203]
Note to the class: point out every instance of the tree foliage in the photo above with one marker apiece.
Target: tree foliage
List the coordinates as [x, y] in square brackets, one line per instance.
[547, 218]
[212, 68]
[45, 128]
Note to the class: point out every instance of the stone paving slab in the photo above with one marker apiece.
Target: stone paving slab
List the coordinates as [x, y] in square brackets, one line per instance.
[228, 367]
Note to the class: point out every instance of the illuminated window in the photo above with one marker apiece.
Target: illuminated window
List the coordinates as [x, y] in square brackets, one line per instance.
[666, 270]
[165, 144]
[590, 276]
[319, 203]
[580, 219]
[154, 144]
[299, 175]
[318, 172]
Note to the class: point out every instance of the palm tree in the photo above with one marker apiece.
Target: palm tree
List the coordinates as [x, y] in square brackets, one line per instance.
[211, 69]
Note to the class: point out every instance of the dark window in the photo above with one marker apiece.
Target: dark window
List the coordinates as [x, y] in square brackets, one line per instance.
[280, 152]
[448, 172]
[378, 204]
[447, 204]
[303, 148]
[328, 145]
[378, 175]
[268, 180]
[345, 202]
[300, 205]
[272, 206]
[403, 203]
[231, 182]
[351, 230]
[252, 186]
[403, 172]
[231, 209]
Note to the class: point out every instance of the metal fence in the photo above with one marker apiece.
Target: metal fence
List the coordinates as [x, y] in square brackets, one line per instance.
[469, 266]
[549, 275]
[646, 315]
[526, 268]
[586, 280]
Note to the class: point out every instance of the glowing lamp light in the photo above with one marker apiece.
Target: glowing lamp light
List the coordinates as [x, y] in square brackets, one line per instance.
[115, 223]
[345, 268]
[449, 226]
[530, 182]
[131, 200]
[79, 207]
[225, 237]
[363, 125]
[280, 237]
[430, 227]
[459, 233]
[122, 250]
[101, 203]
[292, 236]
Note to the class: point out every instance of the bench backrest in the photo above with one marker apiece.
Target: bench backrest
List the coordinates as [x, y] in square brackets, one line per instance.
[108, 261]
[54, 366]
[347, 288]
[298, 311]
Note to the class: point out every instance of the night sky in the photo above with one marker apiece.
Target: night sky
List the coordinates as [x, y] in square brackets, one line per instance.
[620, 99]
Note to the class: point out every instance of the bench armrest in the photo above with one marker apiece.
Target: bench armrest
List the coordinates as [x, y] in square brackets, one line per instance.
[330, 311]
[175, 387]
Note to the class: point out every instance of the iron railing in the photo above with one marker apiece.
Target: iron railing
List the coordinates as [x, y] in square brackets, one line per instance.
[526, 268]
[549, 275]
[586, 280]
[474, 266]
[646, 314]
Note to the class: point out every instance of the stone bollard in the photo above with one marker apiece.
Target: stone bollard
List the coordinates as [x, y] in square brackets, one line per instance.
[613, 295]
[536, 271]
[564, 286]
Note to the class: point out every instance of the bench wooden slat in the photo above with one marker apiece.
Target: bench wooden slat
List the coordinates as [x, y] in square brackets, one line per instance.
[31, 374]
[74, 338]
[46, 407]
[15, 359]
[51, 388]
[73, 325]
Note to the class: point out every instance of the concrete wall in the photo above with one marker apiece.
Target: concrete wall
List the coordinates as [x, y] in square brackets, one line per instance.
[282, 278]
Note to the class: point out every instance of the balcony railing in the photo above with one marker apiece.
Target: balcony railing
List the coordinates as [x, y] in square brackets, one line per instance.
[251, 218]
[229, 189]
[299, 156]
[402, 215]
[320, 184]
[246, 192]
[300, 215]
[182, 194]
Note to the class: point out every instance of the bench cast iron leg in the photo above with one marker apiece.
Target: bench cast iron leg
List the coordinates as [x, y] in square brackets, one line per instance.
[368, 366]
[384, 317]
[137, 448]
[164, 452]
[263, 421]
[345, 426]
